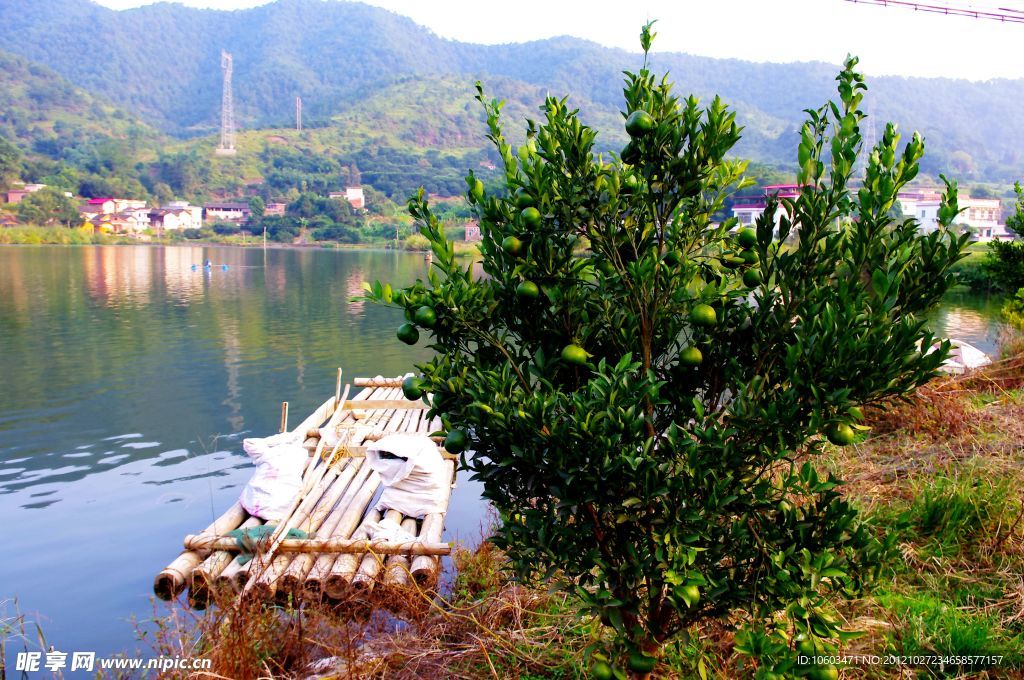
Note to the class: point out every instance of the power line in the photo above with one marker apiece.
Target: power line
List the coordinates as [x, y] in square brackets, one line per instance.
[1006, 15]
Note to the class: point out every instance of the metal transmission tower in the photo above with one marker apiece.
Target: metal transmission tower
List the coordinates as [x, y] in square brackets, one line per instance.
[227, 109]
[870, 138]
[298, 113]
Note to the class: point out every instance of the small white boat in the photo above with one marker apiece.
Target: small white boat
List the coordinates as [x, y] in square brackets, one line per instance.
[963, 357]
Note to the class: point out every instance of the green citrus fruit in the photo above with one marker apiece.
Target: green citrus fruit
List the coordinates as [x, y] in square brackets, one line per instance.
[749, 256]
[512, 245]
[752, 278]
[823, 673]
[689, 594]
[630, 154]
[412, 388]
[840, 435]
[805, 647]
[703, 315]
[528, 289]
[425, 316]
[408, 334]
[523, 199]
[673, 258]
[691, 356]
[530, 217]
[640, 663]
[746, 237]
[476, 191]
[602, 671]
[630, 183]
[574, 354]
[456, 441]
[640, 123]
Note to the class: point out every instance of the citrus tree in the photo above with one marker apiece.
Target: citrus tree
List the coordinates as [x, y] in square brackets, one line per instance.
[644, 389]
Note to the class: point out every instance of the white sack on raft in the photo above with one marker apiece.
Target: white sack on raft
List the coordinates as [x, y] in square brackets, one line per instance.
[280, 460]
[413, 473]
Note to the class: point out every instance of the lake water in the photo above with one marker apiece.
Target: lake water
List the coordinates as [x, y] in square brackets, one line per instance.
[128, 381]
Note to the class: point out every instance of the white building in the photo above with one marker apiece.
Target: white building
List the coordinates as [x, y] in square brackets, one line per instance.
[195, 211]
[354, 196]
[980, 215]
[173, 219]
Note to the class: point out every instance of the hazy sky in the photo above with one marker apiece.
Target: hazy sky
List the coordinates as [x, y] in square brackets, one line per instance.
[888, 40]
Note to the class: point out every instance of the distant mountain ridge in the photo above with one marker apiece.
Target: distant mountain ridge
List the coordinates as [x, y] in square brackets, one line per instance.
[162, 63]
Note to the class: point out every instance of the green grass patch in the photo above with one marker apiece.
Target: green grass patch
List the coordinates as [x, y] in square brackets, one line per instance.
[929, 624]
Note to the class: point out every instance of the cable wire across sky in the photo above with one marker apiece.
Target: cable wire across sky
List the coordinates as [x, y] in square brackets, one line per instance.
[1003, 14]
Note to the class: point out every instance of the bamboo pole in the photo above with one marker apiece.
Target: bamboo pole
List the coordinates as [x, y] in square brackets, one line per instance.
[348, 515]
[171, 581]
[424, 568]
[236, 576]
[336, 581]
[316, 418]
[379, 381]
[270, 563]
[389, 403]
[331, 545]
[314, 474]
[284, 416]
[228, 580]
[205, 575]
[295, 571]
[372, 562]
[397, 573]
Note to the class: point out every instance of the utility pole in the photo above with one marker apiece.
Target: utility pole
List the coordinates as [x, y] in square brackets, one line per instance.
[227, 108]
[298, 113]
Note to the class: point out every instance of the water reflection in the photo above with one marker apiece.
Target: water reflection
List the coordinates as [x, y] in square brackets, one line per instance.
[129, 380]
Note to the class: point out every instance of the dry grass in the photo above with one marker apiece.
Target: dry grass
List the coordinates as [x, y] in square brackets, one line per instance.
[943, 472]
[486, 626]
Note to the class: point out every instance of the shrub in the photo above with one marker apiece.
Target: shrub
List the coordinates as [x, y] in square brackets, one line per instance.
[416, 242]
[1005, 264]
[644, 419]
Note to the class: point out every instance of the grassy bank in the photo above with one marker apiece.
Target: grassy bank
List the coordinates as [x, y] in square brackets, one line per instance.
[942, 475]
[32, 235]
[65, 236]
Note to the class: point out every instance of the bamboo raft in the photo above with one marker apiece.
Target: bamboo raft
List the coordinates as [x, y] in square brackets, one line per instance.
[337, 561]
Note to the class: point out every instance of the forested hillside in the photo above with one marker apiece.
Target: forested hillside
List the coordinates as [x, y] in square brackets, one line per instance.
[162, 62]
[68, 136]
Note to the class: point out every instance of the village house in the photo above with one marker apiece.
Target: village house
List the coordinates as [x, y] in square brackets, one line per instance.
[194, 210]
[174, 218]
[473, 231]
[980, 215]
[354, 196]
[275, 209]
[747, 209]
[227, 212]
[14, 196]
[109, 206]
[132, 221]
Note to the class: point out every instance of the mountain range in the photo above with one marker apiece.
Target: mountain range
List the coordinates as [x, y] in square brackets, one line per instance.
[353, 63]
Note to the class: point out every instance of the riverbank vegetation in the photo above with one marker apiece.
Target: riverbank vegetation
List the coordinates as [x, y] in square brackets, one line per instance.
[940, 476]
